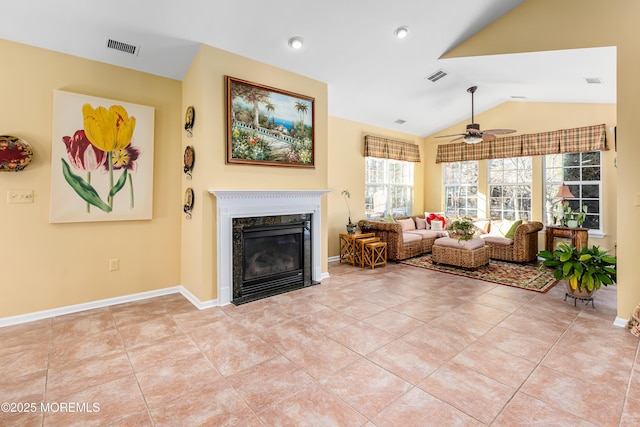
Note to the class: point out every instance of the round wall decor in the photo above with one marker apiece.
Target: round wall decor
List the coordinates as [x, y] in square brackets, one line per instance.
[15, 153]
[190, 117]
[189, 160]
[188, 202]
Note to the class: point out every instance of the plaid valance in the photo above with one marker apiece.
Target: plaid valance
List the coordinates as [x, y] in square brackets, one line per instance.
[389, 149]
[589, 138]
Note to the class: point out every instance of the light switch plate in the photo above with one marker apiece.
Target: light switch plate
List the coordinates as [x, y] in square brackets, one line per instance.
[19, 196]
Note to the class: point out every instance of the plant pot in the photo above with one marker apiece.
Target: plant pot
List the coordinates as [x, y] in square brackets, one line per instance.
[366, 228]
[351, 228]
[579, 292]
[572, 223]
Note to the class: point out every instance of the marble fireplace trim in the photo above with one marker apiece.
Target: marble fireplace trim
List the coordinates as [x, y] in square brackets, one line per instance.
[249, 203]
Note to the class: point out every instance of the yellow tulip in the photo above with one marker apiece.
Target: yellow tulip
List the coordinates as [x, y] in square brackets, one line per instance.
[108, 130]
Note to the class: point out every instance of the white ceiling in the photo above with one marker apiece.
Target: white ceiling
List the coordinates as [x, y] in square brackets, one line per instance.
[372, 76]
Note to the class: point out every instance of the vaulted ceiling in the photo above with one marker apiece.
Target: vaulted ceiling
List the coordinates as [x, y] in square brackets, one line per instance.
[372, 76]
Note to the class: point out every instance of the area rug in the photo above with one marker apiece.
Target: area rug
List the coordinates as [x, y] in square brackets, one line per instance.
[525, 276]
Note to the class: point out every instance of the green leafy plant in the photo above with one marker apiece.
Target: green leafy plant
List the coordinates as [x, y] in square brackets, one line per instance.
[461, 228]
[585, 269]
[568, 214]
[347, 196]
[364, 226]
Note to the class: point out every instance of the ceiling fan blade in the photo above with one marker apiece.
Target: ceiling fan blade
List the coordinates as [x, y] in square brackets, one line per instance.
[499, 131]
[457, 139]
[488, 137]
[449, 136]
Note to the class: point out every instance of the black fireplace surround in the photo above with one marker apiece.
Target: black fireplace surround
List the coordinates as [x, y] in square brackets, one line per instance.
[271, 255]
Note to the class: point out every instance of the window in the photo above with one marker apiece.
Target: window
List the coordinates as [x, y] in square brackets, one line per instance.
[510, 188]
[461, 188]
[582, 173]
[388, 187]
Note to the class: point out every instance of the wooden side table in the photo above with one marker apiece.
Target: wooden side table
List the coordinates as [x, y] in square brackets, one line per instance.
[578, 237]
[348, 246]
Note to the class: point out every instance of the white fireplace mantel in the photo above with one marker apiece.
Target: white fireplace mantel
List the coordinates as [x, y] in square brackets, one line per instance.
[249, 203]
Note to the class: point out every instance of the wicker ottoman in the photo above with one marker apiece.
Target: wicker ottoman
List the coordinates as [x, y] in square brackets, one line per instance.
[462, 253]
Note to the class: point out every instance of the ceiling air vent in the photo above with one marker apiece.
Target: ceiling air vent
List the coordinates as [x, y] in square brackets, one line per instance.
[122, 47]
[593, 80]
[437, 76]
[400, 121]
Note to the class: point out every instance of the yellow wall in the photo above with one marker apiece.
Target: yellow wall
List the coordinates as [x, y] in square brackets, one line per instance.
[54, 265]
[531, 117]
[43, 265]
[551, 25]
[204, 88]
[346, 171]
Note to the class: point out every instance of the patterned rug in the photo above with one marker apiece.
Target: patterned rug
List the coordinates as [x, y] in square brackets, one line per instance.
[525, 276]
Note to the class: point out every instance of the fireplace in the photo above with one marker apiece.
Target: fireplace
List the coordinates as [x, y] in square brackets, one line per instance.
[237, 204]
[271, 255]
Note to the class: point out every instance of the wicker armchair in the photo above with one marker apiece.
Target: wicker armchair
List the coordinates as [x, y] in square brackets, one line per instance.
[522, 248]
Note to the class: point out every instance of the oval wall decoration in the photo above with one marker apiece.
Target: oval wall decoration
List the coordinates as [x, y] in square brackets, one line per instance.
[15, 153]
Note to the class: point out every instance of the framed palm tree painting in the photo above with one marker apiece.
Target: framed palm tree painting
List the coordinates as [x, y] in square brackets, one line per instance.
[268, 126]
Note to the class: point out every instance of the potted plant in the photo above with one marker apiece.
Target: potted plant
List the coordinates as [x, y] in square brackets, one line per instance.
[583, 271]
[364, 226]
[571, 218]
[351, 228]
[462, 228]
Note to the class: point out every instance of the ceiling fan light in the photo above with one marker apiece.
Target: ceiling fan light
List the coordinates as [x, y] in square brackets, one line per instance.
[472, 139]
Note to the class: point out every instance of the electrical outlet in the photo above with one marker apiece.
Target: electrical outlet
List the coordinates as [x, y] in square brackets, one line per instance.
[19, 196]
[114, 264]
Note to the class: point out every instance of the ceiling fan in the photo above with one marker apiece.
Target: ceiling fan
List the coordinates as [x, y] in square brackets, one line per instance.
[473, 135]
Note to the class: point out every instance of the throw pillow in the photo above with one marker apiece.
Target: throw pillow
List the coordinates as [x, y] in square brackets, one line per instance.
[430, 216]
[407, 224]
[388, 218]
[421, 223]
[504, 227]
[512, 230]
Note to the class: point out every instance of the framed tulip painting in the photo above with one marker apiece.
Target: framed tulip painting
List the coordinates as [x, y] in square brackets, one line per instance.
[101, 159]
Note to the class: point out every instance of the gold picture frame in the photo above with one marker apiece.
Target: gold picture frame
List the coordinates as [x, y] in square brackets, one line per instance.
[269, 126]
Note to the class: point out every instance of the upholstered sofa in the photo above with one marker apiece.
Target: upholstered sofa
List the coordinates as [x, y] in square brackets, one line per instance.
[523, 247]
[404, 237]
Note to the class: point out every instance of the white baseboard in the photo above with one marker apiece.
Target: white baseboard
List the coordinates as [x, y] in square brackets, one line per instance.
[195, 301]
[620, 322]
[45, 314]
[334, 258]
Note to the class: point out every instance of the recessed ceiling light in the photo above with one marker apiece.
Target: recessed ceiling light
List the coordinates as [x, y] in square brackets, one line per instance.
[401, 32]
[295, 42]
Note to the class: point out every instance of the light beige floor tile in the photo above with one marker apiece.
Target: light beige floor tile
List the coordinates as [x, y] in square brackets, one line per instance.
[411, 363]
[503, 367]
[362, 338]
[269, 382]
[321, 357]
[600, 404]
[312, 406]
[417, 408]
[524, 411]
[474, 394]
[77, 376]
[366, 387]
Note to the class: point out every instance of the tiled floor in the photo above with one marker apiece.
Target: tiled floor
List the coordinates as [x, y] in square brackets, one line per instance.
[396, 346]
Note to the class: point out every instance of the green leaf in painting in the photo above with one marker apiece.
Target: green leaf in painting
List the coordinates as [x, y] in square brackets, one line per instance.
[118, 186]
[84, 190]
